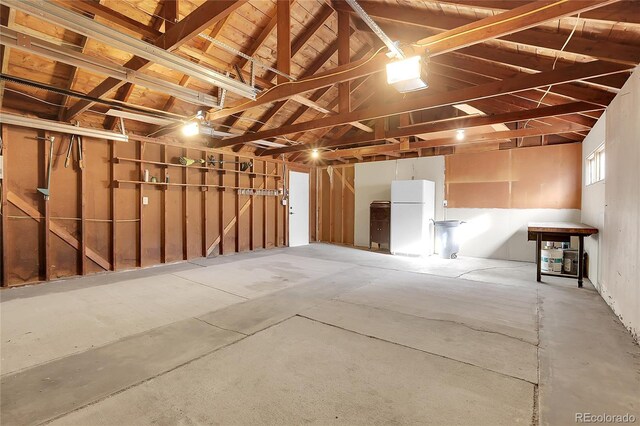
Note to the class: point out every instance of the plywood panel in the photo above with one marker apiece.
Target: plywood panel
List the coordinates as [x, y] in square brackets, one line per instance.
[478, 195]
[547, 177]
[526, 178]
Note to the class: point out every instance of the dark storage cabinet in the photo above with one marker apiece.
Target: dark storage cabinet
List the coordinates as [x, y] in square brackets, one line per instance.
[380, 223]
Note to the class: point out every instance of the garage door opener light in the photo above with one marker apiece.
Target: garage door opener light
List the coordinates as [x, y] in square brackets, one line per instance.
[407, 75]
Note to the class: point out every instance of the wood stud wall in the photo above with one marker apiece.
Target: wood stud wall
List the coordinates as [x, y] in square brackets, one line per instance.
[95, 220]
[336, 203]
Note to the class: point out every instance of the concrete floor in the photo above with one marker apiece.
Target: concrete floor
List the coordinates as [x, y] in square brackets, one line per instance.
[318, 334]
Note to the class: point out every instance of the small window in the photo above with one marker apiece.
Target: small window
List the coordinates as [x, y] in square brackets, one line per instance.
[595, 166]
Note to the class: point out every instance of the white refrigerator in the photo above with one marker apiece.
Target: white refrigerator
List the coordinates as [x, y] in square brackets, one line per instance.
[412, 209]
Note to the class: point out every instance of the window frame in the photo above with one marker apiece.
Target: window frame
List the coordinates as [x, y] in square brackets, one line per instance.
[595, 169]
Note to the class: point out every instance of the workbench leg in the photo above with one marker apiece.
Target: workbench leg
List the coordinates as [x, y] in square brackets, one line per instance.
[538, 256]
[580, 260]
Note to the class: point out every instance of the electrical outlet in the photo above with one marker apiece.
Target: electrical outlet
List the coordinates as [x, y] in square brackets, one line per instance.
[444, 203]
[145, 201]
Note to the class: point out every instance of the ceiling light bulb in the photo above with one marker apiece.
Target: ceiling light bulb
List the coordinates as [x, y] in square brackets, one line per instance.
[190, 129]
[315, 153]
[460, 134]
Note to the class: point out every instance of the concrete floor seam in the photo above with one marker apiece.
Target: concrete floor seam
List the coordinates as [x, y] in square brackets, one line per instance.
[490, 268]
[221, 328]
[535, 421]
[210, 287]
[162, 373]
[481, 330]
[415, 349]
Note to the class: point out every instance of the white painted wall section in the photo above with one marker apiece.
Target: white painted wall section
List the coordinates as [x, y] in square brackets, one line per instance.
[620, 284]
[502, 233]
[593, 202]
[373, 182]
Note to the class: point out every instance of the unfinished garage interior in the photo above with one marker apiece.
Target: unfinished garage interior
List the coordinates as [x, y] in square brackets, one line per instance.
[320, 211]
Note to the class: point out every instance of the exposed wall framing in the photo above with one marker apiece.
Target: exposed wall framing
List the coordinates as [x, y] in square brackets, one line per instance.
[95, 220]
[336, 201]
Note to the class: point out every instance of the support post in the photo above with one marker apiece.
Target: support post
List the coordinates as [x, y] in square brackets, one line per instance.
[83, 213]
[163, 206]
[221, 209]
[47, 216]
[205, 198]
[140, 153]
[114, 216]
[5, 207]
[252, 212]
[538, 256]
[580, 259]
[265, 222]
[185, 209]
[237, 200]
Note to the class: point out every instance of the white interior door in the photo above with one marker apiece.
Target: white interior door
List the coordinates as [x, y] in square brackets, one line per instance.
[298, 209]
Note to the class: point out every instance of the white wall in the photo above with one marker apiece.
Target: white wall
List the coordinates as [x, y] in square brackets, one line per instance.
[593, 202]
[615, 205]
[502, 233]
[491, 233]
[373, 182]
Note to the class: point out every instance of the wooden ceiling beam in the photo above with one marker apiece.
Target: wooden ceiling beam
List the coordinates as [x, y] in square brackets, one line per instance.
[419, 19]
[297, 45]
[522, 17]
[516, 84]
[70, 80]
[170, 13]
[283, 49]
[622, 11]
[344, 57]
[451, 141]
[451, 63]
[454, 124]
[202, 17]
[315, 97]
[534, 63]
[313, 68]
[95, 8]
[7, 17]
[525, 99]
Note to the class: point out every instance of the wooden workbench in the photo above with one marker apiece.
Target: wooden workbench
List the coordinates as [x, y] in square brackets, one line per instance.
[559, 232]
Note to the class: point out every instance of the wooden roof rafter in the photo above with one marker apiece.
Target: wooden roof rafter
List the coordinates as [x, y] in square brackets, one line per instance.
[201, 18]
[435, 23]
[296, 47]
[516, 84]
[523, 17]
